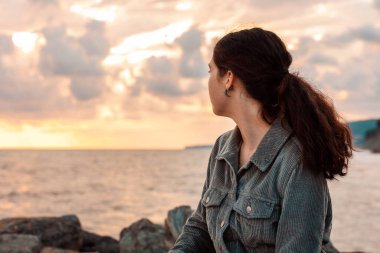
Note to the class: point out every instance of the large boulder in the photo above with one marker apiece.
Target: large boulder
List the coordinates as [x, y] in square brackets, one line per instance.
[59, 232]
[372, 139]
[102, 244]
[176, 219]
[13, 243]
[144, 237]
[56, 250]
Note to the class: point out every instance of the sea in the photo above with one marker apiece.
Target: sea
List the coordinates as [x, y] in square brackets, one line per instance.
[110, 189]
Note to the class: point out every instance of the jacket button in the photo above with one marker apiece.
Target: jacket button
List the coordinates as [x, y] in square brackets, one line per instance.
[222, 223]
[249, 209]
[207, 199]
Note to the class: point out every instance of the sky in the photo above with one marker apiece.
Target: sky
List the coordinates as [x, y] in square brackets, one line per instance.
[133, 74]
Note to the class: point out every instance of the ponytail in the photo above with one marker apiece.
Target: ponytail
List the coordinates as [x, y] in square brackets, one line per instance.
[325, 139]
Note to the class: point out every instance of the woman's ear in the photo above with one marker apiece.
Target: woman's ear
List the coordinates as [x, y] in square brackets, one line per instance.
[229, 79]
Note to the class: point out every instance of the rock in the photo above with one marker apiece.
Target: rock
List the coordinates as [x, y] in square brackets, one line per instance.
[144, 237]
[101, 244]
[372, 139]
[60, 232]
[176, 219]
[56, 250]
[11, 243]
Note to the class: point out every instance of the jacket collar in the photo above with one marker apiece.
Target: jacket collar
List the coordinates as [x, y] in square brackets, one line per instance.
[267, 150]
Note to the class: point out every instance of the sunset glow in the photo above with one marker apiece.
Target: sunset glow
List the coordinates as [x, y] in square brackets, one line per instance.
[145, 40]
[101, 14]
[133, 74]
[25, 41]
[33, 137]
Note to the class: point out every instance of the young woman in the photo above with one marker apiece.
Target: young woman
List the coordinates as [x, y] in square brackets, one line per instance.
[266, 186]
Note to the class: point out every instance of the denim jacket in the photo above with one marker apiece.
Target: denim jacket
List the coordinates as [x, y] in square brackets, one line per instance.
[273, 203]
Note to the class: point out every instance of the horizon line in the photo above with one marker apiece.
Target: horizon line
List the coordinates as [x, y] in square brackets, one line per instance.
[101, 148]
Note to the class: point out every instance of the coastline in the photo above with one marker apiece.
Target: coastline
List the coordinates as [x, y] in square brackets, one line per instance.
[65, 235]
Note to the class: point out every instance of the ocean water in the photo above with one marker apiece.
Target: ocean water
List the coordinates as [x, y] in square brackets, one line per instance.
[109, 190]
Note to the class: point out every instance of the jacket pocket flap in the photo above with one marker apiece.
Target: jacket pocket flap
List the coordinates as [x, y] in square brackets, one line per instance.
[254, 207]
[213, 197]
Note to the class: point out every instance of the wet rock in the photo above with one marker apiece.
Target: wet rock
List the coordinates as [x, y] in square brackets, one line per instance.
[59, 232]
[102, 244]
[176, 219]
[372, 139]
[56, 250]
[11, 243]
[144, 237]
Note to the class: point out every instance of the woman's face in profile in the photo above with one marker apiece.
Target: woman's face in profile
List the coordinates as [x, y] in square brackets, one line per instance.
[216, 89]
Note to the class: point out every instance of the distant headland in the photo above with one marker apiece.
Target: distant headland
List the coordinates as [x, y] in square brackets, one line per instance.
[366, 135]
[199, 147]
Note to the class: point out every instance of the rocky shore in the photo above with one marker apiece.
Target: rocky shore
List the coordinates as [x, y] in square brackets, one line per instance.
[372, 139]
[65, 235]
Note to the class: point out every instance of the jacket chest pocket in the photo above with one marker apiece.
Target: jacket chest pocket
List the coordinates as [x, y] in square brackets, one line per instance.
[257, 218]
[212, 201]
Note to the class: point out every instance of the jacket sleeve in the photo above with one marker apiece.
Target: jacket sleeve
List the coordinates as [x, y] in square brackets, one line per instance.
[195, 237]
[302, 222]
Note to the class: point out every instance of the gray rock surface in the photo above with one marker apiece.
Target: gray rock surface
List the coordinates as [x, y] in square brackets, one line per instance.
[103, 244]
[372, 139]
[64, 235]
[176, 219]
[144, 237]
[60, 232]
[56, 250]
[13, 243]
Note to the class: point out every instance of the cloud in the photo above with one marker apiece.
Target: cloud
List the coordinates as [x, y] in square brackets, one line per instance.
[77, 58]
[283, 4]
[6, 45]
[305, 45]
[26, 95]
[64, 55]
[70, 74]
[376, 3]
[174, 76]
[44, 2]
[94, 42]
[161, 77]
[323, 59]
[86, 88]
[191, 40]
[344, 69]
[29, 96]
[16, 89]
[360, 78]
[192, 63]
[367, 33]
[67, 67]
[34, 15]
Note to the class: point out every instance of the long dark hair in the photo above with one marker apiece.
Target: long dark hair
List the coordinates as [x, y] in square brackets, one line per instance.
[261, 61]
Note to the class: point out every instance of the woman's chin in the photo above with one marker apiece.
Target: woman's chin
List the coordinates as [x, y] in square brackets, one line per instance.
[218, 112]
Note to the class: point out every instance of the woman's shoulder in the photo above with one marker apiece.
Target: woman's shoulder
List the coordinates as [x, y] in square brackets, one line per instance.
[291, 160]
[288, 159]
[293, 149]
[225, 139]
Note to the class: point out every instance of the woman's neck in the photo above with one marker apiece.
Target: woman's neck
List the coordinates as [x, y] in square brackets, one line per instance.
[252, 132]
